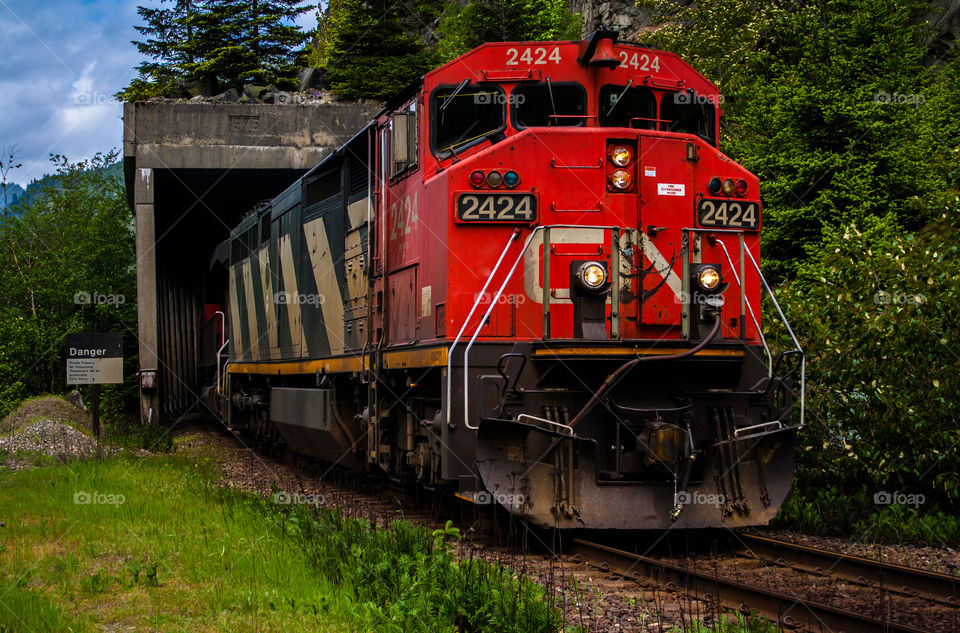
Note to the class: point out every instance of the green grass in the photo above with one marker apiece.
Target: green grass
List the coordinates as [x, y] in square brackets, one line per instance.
[160, 546]
[738, 623]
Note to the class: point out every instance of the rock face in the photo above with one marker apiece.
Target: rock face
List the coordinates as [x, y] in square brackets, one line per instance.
[624, 15]
[634, 21]
[946, 25]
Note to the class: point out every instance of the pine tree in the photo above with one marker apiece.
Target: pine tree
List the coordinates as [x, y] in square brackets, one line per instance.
[463, 28]
[276, 40]
[225, 54]
[169, 43]
[373, 49]
[224, 42]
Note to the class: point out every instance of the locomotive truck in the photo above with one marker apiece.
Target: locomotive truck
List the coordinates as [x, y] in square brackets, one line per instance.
[533, 278]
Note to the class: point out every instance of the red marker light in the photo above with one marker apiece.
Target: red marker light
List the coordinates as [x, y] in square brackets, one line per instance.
[477, 179]
[741, 188]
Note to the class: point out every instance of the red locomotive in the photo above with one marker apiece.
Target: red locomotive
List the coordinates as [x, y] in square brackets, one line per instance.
[532, 279]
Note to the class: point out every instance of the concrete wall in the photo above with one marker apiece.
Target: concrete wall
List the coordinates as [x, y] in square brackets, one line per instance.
[192, 171]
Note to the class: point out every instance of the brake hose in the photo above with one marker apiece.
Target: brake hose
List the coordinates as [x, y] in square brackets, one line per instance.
[622, 371]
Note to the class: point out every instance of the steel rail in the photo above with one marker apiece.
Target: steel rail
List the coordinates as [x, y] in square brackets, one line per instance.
[789, 611]
[910, 581]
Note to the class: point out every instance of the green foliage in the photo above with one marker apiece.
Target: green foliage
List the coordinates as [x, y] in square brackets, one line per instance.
[128, 432]
[854, 131]
[874, 307]
[372, 49]
[405, 579]
[735, 623]
[72, 240]
[464, 27]
[218, 42]
[835, 104]
[242, 42]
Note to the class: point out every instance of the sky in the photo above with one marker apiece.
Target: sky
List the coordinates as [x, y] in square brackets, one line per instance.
[61, 61]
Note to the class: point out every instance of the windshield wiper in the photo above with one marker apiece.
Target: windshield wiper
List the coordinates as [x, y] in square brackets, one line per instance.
[617, 102]
[454, 94]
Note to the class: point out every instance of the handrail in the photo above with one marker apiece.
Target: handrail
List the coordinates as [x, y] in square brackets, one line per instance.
[463, 328]
[783, 318]
[223, 327]
[796, 343]
[495, 299]
[753, 317]
[219, 353]
[223, 324]
[493, 303]
[567, 429]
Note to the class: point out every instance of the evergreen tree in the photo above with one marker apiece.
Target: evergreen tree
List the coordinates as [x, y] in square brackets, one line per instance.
[249, 42]
[276, 40]
[223, 42]
[373, 49]
[226, 54]
[169, 43]
[463, 28]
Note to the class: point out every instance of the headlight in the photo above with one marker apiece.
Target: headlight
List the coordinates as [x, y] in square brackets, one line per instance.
[708, 278]
[621, 179]
[593, 275]
[621, 155]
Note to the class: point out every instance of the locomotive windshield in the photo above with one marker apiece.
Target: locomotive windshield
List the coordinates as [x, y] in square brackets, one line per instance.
[465, 114]
[689, 113]
[636, 107]
[619, 105]
[549, 104]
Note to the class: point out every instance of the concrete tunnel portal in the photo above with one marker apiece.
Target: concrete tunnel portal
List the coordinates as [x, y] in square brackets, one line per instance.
[192, 172]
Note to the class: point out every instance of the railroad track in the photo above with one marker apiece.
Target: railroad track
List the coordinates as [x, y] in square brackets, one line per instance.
[877, 574]
[790, 611]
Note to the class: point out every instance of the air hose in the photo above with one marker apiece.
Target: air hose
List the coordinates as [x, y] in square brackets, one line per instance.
[624, 369]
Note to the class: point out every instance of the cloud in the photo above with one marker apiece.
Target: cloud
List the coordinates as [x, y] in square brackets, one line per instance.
[60, 62]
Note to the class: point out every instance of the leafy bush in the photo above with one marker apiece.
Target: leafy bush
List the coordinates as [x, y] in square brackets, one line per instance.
[837, 105]
[61, 250]
[875, 307]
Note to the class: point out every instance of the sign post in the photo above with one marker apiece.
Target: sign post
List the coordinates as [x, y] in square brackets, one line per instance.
[94, 359]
